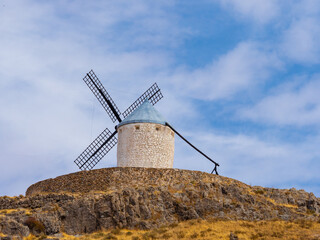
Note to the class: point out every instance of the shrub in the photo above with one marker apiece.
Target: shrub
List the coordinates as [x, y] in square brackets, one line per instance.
[289, 226]
[34, 225]
[259, 191]
[115, 231]
[255, 236]
[195, 235]
[239, 232]
[42, 237]
[180, 234]
[246, 224]
[160, 230]
[311, 212]
[149, 235]
[305, 224]
[203, 233]
[277, 234]
[110, 236]
[173, 225]
[166, 235]
[98, 235]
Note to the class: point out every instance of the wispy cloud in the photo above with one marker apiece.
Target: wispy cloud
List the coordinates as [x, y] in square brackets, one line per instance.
[260, 11]
[241, 69]
[292, 105]
[46, 110]
[48, 115]
[257, 160]
[301, 41]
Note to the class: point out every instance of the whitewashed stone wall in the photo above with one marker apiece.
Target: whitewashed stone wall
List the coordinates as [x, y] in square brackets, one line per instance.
[148, 145]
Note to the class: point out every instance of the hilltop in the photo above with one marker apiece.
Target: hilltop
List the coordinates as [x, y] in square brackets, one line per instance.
[147, 198]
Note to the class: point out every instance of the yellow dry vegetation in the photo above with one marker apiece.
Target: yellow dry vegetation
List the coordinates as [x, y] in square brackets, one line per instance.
[95, 192]
[10, 197]
[3, 212]
[214, 229]
[260, 193]
[280, 204]
[76, 194]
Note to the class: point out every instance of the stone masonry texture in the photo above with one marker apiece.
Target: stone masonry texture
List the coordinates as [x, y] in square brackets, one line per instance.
[145, 145]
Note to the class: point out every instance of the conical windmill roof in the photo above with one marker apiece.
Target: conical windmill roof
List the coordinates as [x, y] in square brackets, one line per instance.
[145, 113]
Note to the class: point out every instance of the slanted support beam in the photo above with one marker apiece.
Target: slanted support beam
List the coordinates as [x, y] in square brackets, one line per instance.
[215, 163]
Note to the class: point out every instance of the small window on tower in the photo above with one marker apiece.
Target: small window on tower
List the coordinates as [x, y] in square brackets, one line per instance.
[157, 128]
[137, 127]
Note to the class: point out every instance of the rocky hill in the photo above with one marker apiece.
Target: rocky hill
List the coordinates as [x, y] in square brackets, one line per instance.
[145, 198]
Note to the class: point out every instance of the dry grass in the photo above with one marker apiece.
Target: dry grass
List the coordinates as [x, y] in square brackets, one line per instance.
[215, 229]
[7, 211]
[281, 204]
[33, 237]
[101, 192]
[4, 212]
[13, 197]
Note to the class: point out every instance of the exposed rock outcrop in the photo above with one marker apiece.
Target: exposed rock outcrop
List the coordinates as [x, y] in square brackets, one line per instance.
[85, 202]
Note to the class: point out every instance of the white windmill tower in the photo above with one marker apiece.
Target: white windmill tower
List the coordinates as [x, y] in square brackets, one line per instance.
[145, 138]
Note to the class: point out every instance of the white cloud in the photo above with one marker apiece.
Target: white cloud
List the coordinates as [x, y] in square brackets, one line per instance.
[294, 105]
[241, 69]
[304, 8]
[296, 23]
[252, 159]
[46, 48]
[301, 41]
[48, 116]
[260, 11]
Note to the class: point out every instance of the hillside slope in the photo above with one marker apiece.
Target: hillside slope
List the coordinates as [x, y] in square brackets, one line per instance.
[140, 198]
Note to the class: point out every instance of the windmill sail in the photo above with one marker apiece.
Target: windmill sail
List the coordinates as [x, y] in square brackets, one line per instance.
[153, 94]
[96, 150]
[104, 98]
[107, 140]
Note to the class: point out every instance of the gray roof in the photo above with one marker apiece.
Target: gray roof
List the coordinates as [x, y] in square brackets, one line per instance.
[145, 113]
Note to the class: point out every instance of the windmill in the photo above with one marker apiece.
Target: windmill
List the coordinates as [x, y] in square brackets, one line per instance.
[107, 139]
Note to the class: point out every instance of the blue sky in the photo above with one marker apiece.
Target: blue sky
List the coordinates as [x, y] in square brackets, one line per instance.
[240, 80]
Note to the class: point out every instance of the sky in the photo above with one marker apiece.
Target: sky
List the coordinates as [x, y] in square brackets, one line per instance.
[240, 80]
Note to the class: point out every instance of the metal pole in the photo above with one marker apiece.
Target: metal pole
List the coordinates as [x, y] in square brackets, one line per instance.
[216, 164]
